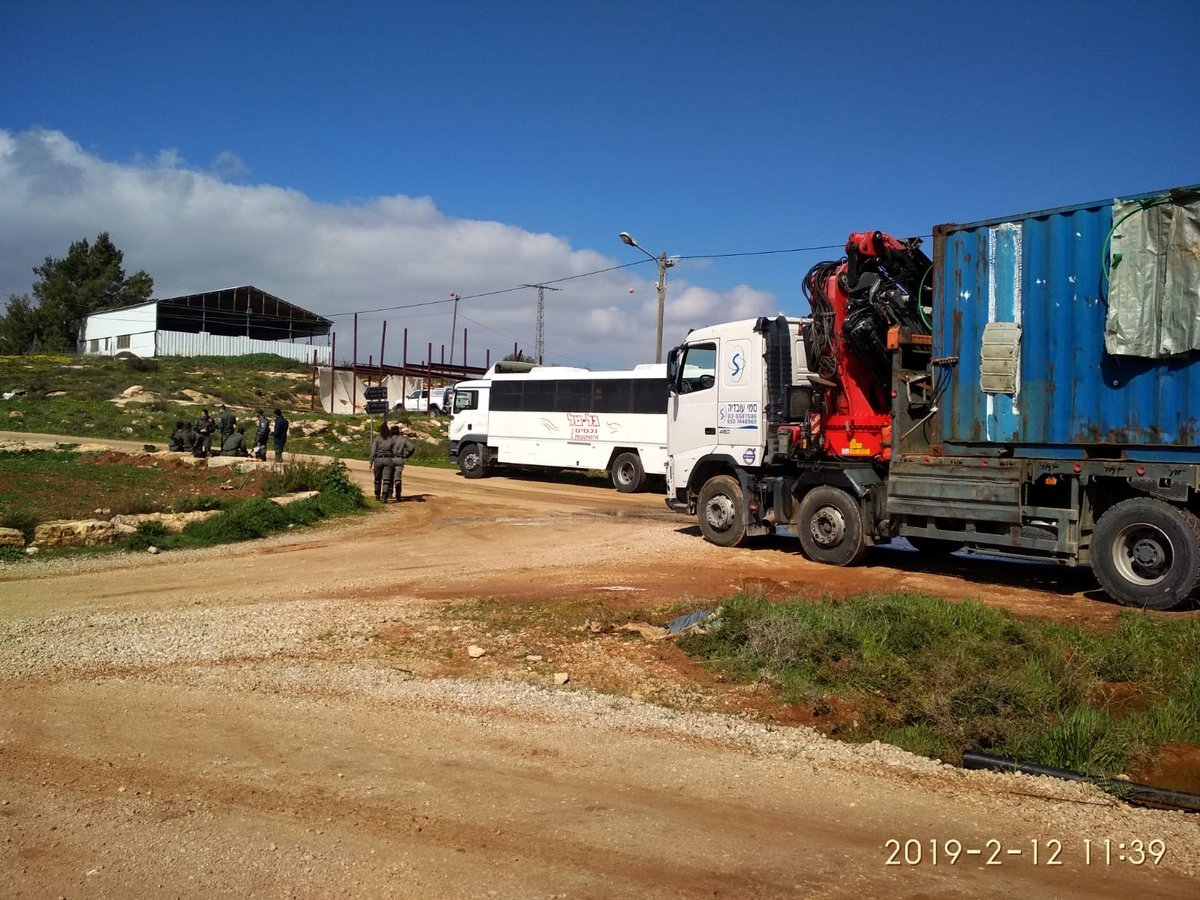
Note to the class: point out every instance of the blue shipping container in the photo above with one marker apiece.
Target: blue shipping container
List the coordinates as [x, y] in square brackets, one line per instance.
[1053, 390]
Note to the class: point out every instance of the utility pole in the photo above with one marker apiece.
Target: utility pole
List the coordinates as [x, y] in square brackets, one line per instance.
[453, 328]
[539, 342]
[664, 262]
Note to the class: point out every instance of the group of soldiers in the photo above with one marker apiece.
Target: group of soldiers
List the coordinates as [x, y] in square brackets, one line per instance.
[390, 450]
[198, 436]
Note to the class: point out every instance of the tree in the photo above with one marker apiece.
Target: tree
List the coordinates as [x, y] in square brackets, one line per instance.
[20, 327]
[89, 279]
[519, 356]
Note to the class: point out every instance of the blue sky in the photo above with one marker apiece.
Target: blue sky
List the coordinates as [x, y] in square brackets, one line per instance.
[358, 155]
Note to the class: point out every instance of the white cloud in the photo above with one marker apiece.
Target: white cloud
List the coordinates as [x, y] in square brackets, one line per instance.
[194, 231]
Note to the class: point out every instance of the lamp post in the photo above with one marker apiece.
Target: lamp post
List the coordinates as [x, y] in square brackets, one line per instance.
[664, 263]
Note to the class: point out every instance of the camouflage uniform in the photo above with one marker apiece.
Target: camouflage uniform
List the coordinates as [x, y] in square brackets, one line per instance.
[402, 449]
[381, 462]
[225, 423]
[203, 429]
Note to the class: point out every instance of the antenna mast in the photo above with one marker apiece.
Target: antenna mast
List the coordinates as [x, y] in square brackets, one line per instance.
[540, 340]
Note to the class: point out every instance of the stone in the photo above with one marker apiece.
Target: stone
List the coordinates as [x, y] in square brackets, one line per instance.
[153, 551]
[292, 498]
[32, 551]
[11, 537]
[561, 677]
[131, 390]
[78, 533]
[172, 522]
[533, 657]
[17, 415]
[475, 651]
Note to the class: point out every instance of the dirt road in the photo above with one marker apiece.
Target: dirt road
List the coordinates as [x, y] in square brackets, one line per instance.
[300, 717]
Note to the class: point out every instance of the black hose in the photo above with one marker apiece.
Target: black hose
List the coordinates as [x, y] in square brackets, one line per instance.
[1130, 791]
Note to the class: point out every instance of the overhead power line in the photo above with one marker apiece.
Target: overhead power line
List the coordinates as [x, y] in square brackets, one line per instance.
[594, 272]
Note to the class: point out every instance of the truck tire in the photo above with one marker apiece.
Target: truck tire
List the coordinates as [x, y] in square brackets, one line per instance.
[627, 473]
[831, 527]
[470, 461]
[1146, 553]
[930, 546]
[721, 511]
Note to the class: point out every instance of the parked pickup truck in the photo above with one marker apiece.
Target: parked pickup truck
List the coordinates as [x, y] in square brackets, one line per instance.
[435, 402]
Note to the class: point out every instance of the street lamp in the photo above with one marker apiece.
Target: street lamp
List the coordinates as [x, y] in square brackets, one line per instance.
[664, 263]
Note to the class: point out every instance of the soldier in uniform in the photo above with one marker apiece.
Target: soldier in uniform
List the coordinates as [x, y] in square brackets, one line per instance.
[203, 429]
[235, 444]
[225, 423]
[402, 449]
[381, 462]
[261, 435]
[179, 438]
[279, 430]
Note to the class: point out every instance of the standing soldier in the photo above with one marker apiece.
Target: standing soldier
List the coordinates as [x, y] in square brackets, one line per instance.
[402, 449]
[279, 434]
[381, 462]
[262, 434]
[225, 423]
[203, 428]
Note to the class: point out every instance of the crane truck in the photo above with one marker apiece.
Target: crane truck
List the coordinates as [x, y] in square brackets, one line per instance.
[1032, 391]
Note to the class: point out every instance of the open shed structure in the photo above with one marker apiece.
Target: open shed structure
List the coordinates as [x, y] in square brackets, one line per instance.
[229, 322]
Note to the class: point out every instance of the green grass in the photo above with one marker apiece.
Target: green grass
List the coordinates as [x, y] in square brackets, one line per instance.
[256, 517]
[939, 678]
[32, 487]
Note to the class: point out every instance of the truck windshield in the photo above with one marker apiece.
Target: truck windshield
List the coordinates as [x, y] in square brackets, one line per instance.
[465, 399]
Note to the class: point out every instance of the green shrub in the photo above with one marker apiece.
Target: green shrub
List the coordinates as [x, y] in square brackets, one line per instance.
[12, 555]
[297, 474]
[196, 503]
[245, 520]
[148, 534]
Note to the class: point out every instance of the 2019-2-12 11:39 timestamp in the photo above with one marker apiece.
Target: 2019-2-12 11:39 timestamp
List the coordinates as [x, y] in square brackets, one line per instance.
[1037, 852]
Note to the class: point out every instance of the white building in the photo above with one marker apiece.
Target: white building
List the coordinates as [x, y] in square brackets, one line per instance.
[229, 322]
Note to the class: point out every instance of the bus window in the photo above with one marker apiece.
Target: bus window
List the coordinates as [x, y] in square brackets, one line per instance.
[574, 395]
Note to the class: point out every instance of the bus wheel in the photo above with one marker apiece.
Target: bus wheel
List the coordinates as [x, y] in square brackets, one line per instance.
[831, 527]
[1146, 553]
[470, 461]
[627, 473]
[721, 511]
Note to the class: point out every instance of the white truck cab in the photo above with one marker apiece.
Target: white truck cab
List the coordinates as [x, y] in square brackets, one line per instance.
[718, 399]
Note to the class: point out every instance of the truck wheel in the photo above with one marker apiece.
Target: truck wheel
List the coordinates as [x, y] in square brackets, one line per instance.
[1146, 553]
[721, 511]
[470, 461]
[831, 527]
[627, 473]
[929, 546]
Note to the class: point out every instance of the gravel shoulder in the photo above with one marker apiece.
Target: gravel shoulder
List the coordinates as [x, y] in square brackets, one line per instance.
[299, 717]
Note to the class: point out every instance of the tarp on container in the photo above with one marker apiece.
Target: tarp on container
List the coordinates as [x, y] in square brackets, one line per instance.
[1154, 277]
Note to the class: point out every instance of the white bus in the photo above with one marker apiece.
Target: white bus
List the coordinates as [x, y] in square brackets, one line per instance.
[563, 418]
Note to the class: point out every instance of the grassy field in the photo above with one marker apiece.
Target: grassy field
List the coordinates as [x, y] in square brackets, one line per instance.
[77, 395]
[938, 678]
[42, 486]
